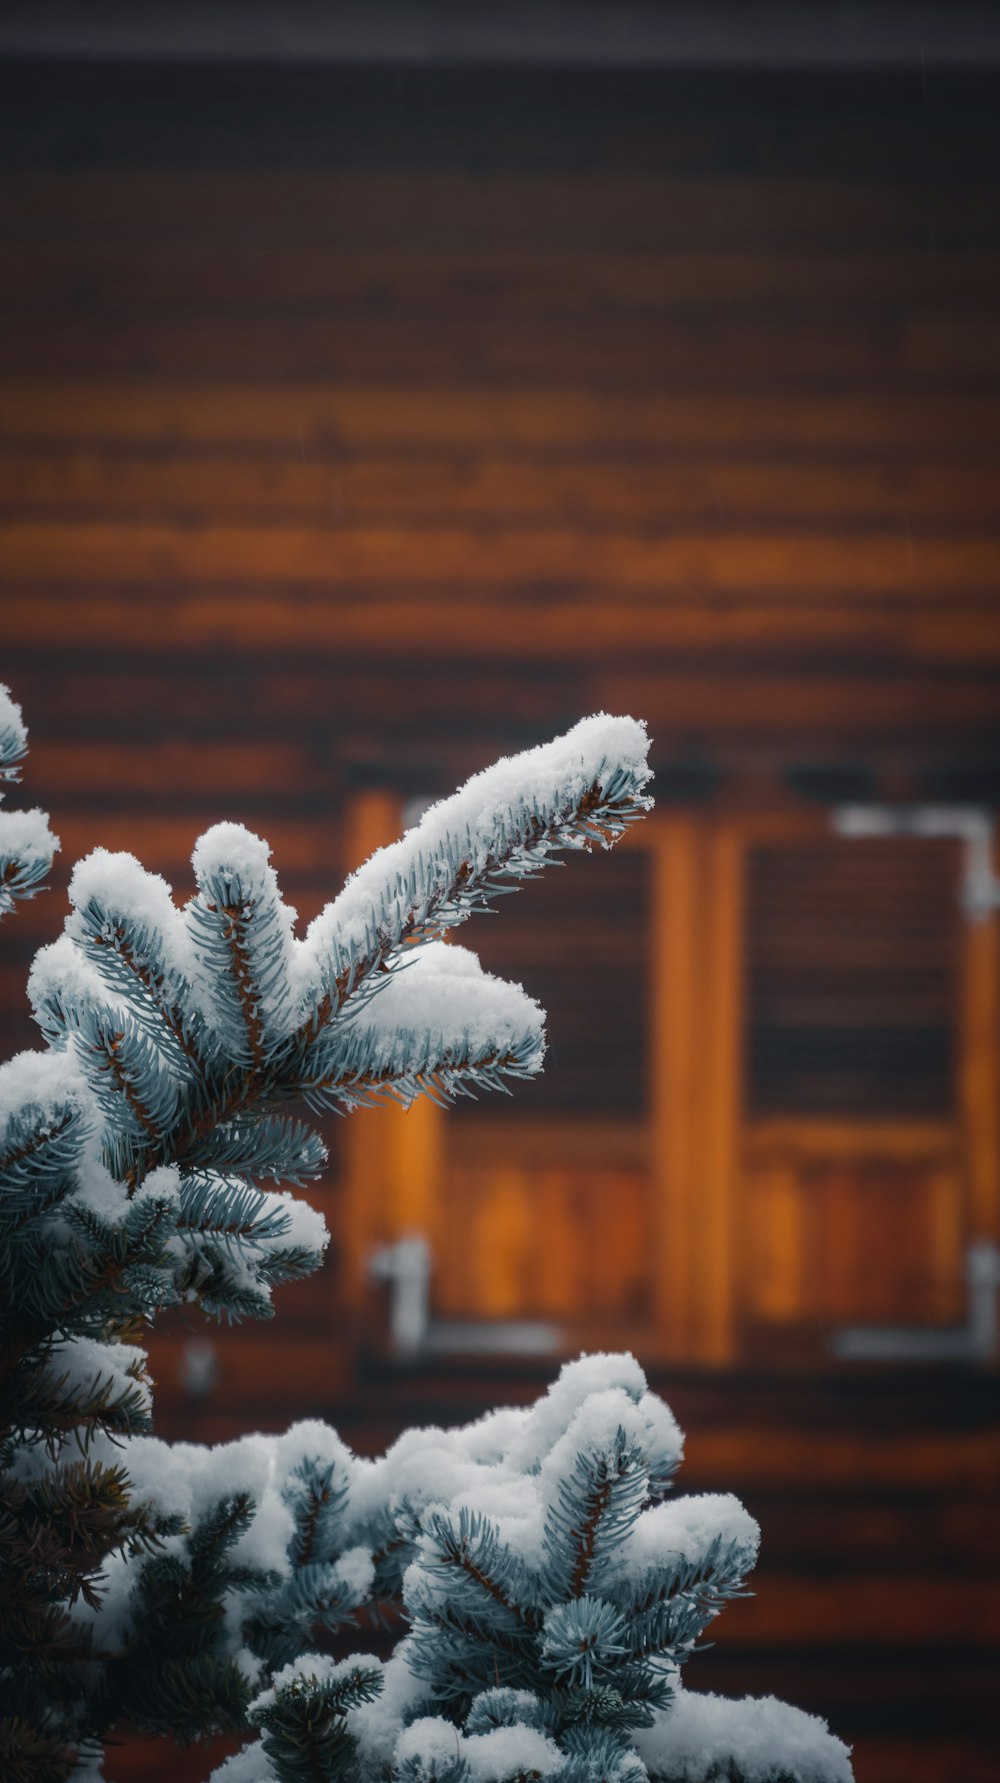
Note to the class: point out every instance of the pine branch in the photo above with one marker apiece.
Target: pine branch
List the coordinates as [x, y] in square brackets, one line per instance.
[444, 871]
[133, 967]
[303, 1716]
[475, 1552]
[27, 845]
[594, 1509]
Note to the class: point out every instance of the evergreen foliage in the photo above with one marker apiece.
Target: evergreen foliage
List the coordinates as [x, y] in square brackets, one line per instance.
[551, 1588]
[26, 842]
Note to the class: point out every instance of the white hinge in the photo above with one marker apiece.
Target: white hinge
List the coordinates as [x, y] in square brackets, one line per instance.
[964, 823]
[975, 1341]
[406, 1266]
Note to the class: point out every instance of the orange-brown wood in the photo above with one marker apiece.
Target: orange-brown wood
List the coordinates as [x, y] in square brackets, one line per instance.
[169, 414]
[654, 571]
[330, 479]
[721, 1038]
[335, 486]
[401, 211]
[392, 1155]
[498, 280]
[721, 451]
[674, 1077]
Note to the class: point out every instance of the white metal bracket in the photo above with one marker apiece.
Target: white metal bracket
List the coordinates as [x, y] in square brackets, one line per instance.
[406, 1266]
[966, 824]
[975, 1341]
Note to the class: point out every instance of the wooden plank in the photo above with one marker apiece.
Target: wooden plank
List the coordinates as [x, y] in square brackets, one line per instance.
[682, 354]
[540, 1143]
[967, 1461]
[528, 1240]
[435, 417]
[926, 1759]
[923, 705]
[674, 1079]
[647, 492]
[770, 1277]
[844, 1240]
[407, 211]
[789, 567]
[721, 1000]
[219, 767]
[948, 1230]
[295, 1371]
[727, 707]
[340, 625]
[461, 711]
[904, 1612]
[808, 1137]
[163, 842]
[492, 280]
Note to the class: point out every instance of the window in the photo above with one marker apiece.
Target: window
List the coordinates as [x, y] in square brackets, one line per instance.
[852, 976]
[578, 941]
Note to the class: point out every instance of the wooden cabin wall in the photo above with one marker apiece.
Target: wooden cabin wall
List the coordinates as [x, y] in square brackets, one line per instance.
[358, 425]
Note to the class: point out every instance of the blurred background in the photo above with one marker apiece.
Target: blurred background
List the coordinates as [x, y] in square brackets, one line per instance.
[381, 389]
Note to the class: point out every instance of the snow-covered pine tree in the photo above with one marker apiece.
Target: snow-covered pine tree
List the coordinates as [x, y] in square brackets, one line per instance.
[551, 1595]
[552, 1591]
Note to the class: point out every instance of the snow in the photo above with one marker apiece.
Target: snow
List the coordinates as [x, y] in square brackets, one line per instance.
[305, 1226]
[510, 1752]
[664, 1439]
[443, 988]
[25, 835]
[187, 1480]
[249, 1766]
[86, 1361]
[595, 1429]
[96, 1188]
[89, 1768]
[492, 1437]
[492, 1757]
[551, 779]
[61, 974]
[163, 1183]
[377, 1725]
[683, 1529]
[432, 1739]
[251, 1667]
[122, 886]
[233, 864]
[696, 1738]
[550, 1418]
[308, 1441]
[424, 1466]
[310, 1668]
[229, 851]
[355, 1570]
[46, 1081]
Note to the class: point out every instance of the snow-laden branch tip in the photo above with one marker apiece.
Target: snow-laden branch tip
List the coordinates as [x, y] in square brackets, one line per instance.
[440, 1025]
[701, 1736]
[581, 791]
[27, 844]
[13, 735]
